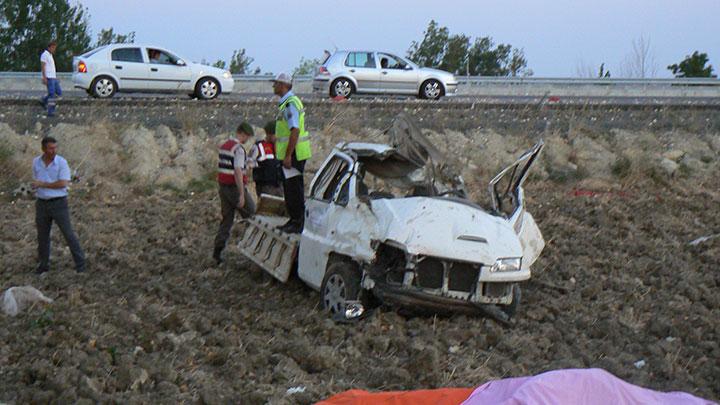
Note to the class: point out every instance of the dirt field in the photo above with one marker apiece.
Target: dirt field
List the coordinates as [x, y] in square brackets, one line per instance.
[155, 322]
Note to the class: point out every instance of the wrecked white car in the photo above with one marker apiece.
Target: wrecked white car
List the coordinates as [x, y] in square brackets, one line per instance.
[419, 243]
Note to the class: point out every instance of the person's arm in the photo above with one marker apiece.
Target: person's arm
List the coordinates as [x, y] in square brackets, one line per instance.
[42, 69]
[239, 173]
[293, 120]
[54, 184]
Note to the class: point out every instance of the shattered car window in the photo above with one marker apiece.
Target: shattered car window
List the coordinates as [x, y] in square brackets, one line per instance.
[329, 179]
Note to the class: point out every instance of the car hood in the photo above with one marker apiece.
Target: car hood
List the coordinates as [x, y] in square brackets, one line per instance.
[205, 69]
[446, 228]
[437, 72]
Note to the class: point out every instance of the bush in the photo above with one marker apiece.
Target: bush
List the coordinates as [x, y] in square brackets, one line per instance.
[621, 167]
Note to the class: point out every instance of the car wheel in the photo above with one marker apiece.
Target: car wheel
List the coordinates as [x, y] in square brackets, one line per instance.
[431, 89]
[512, 308]
[342, 87]
[340, 285]
[207, 88]
[103, 87]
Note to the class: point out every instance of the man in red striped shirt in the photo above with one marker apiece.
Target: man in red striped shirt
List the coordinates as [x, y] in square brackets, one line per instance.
[232, 182]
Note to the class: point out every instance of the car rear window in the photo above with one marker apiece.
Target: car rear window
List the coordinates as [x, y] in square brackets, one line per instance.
[127, 55]
[360, 59]
[92, 52]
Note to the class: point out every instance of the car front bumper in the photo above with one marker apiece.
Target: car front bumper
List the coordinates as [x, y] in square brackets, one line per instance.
[451, 88]
[227, 85]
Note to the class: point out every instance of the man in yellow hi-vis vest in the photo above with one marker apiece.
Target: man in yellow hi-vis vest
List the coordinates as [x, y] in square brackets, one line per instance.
[292, 147]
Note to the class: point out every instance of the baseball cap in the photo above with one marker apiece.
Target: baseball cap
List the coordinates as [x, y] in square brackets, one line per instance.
[283, 78]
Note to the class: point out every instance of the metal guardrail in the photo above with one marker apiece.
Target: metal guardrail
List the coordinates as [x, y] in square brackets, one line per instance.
[473, 80]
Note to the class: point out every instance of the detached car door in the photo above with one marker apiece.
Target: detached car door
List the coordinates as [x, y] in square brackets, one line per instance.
[322, 209]
[506, 192]
[396, 76]
[167, 72]
[128, 66]
[362, 66]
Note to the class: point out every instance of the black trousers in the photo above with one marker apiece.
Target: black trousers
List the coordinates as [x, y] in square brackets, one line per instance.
[229, 198]
[294, 190]
[47, 211]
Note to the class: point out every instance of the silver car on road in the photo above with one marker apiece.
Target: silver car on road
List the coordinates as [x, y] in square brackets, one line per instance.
[350, 72]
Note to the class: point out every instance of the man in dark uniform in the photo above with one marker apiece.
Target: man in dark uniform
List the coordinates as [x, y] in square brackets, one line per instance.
[265, 166]
[232, 182]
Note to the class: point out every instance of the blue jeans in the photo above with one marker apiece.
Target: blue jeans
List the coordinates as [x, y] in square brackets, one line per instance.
[54, 90]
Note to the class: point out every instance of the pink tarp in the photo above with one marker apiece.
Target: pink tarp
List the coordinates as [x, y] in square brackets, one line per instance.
[574, 386]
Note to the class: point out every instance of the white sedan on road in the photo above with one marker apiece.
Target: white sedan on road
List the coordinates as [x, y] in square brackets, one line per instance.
[108, 69]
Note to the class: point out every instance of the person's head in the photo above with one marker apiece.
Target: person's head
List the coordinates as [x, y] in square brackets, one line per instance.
[270, 131]
[384, 63]
[244, 131]
[49, 146]
[52, 46]
[282, 84]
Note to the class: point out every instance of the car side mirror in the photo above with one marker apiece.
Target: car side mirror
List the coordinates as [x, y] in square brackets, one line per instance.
[180, 62]
[407, 67]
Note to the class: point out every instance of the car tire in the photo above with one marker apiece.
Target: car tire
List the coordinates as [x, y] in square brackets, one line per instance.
[512, 308]
[340, 284]
[431, 90]
[207, 88]
[343, 87]
[103, 87]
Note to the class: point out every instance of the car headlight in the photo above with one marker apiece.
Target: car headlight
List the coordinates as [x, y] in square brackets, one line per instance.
[227, 75]
[508, 264]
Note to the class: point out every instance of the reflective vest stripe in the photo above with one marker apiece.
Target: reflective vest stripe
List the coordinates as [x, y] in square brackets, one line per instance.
[266, 151]
[226, 162]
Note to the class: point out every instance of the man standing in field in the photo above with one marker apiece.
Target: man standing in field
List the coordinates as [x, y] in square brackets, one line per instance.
[292, 149]
[49, 78]
[51, 175]
[232, 182]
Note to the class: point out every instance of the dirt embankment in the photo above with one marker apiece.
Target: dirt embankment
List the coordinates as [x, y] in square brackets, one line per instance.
[154, 321]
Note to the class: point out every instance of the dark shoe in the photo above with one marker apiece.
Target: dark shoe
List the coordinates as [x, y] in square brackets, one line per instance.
[80, 270]
[40, 270]
[217, 256]
[293, 227]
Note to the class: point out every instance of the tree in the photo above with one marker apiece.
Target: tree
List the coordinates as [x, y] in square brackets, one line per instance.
[602, 73]
[306, 67]
[693, 66]
[518, 64]
[485, 59]
[108, 36]
[27, 26]
[220, 64]
[239, 63]
[641, 62]
[430, 51]
[455, 55]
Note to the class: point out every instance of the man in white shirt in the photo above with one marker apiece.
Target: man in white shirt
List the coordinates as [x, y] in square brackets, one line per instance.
[51, 175]
[49, 78]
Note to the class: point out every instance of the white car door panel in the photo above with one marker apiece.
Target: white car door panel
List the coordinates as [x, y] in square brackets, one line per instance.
[128, 66]
[165, 73]
[363, 68]
[396, 76]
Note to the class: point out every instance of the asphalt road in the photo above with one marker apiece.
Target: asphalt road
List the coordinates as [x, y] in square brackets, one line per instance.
[521, 100]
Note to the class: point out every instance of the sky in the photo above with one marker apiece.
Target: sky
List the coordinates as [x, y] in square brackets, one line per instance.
[560, 37]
